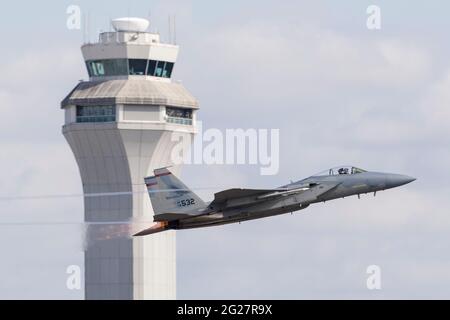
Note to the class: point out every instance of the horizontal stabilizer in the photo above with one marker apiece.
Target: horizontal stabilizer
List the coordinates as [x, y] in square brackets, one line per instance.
[170, 216]
[157, 227]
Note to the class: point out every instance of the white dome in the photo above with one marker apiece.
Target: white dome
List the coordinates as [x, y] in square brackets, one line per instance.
[130, 24]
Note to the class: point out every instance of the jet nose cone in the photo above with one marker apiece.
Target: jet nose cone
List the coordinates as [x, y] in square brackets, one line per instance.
[397, 180]
[408, 179]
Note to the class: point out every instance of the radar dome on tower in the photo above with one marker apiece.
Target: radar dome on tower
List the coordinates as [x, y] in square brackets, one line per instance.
[129, 24]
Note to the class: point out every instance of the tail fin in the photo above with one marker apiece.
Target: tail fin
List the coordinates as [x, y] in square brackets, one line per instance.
[171, 199]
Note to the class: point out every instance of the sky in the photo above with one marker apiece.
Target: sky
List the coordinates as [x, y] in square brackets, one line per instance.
[338, 92]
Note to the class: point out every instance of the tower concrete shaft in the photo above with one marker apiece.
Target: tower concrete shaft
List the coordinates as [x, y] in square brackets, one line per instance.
[119, 125]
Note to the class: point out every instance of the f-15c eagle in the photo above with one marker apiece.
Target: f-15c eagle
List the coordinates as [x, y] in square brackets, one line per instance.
[177, 207]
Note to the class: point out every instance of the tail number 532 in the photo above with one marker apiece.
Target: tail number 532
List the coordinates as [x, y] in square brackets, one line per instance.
[185, 202]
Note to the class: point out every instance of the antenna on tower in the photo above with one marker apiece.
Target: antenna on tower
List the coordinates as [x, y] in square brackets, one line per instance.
[88, 28]
[170, 31]
[128, 27]
[84, 28]
[174, 29]
[150, 18]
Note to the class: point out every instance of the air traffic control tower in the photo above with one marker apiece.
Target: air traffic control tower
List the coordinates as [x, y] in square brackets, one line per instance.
[119, 126]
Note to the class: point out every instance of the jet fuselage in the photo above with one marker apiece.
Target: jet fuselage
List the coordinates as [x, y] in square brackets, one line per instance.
[320, 189]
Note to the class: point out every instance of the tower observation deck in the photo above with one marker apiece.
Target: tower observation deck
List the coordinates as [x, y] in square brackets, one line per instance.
[119, 126]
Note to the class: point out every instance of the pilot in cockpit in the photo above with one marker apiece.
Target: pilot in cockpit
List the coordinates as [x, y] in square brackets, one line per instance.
[343, 171]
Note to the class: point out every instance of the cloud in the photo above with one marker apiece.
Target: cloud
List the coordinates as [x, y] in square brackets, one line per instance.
[32, 87]
[366, 89]
[338, 99]
[35, 160]
[299, 59]
[435, 107]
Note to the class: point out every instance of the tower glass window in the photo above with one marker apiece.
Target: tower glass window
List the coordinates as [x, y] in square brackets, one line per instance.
[110, 67]
[179, 115]
[96, 114]
[137, 66]
[117, 67]
[151, 67]
[95, 68]
[123, 67]
[167, 72]
[159, 69]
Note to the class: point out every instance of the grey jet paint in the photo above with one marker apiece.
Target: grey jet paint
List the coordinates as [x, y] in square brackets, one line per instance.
[177, 207]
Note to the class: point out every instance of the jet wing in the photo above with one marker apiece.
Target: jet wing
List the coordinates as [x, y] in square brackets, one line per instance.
[315, 192]
[240, 197]
[235, 193]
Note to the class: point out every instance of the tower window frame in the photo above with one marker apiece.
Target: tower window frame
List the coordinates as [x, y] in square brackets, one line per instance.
[137, 67]
[159, 68]
[167, 71]
[151, 67]
[90, 114]
[107, 67]
[179, 115]
[127, 67]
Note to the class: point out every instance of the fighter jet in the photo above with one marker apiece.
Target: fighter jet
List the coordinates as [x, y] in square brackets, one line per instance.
[177, 207]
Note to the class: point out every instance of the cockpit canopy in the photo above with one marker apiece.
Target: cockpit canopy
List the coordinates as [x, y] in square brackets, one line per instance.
[340, 170]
